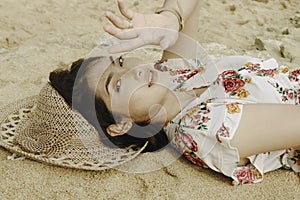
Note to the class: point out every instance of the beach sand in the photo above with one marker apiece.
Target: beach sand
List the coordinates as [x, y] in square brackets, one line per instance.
[38, 36]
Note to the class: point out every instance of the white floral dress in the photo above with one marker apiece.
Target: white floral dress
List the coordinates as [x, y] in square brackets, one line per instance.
[203, 130]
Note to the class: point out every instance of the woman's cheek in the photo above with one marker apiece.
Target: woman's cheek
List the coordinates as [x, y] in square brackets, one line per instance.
[148, 96]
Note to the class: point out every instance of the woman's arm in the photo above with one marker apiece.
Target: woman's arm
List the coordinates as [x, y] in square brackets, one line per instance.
[267, 127]
[185, 7]
[186, 46]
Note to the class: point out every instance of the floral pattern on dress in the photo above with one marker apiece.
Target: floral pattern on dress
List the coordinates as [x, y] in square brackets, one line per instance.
[222, 132]
[284, 69]
[267, 72]
[294, 156]
[161, 66]
[287, 93]
[252, 67]
[196, 117]
[185, 143]
[191, 156]
[182, 74]
[294, 75]
[233, 108]
[246, 175]
[233, 83]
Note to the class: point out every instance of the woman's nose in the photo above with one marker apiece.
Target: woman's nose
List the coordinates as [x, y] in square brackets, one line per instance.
[138, 73]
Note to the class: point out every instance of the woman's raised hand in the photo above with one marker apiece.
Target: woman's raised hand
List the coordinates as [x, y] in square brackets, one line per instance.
[139, 29]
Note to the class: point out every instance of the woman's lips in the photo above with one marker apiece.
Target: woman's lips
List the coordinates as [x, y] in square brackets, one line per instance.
[152, 77]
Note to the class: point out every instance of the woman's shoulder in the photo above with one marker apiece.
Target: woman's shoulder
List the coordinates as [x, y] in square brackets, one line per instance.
[224, 63]
[231, 62]
[181, 63]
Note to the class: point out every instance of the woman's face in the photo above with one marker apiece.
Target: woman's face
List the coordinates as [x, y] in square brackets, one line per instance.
[130, 88]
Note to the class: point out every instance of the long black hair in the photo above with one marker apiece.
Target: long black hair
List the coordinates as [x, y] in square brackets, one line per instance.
[63, 81]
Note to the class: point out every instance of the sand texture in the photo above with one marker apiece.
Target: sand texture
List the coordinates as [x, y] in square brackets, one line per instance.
[38, 36]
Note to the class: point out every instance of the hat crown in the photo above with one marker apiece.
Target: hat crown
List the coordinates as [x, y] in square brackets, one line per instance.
[53, 129]
[46, 128]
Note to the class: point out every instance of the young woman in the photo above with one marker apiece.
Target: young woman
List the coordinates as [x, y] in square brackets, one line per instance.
[236, 115]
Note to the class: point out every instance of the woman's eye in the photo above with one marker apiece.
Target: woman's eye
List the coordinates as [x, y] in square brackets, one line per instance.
[118, 85]
[121, 61]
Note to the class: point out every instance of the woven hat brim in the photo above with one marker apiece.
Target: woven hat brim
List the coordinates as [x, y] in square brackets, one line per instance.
[13, 113]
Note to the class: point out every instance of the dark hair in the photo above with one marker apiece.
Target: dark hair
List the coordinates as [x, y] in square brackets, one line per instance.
[64, 82]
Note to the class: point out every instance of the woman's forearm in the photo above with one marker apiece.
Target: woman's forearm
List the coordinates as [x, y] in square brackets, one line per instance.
[186, 45]
[184, 7]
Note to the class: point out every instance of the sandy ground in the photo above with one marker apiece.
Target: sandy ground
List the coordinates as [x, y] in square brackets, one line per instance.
[38, 36]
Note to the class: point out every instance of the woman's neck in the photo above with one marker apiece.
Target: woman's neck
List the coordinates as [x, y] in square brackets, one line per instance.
[174, 103]
[177, 102]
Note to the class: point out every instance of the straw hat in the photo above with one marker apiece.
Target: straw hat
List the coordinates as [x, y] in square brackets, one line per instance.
[44, 128]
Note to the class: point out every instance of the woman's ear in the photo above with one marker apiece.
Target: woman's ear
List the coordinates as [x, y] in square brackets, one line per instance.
[119, 129]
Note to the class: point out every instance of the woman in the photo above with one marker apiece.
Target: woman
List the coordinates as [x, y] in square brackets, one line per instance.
[235, 115]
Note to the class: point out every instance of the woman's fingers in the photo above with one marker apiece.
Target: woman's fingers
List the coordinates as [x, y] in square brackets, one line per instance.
[126, 12]
[121, 34]
[117, 21]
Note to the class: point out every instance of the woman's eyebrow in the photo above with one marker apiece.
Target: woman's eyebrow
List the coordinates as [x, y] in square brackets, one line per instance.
[112, 59]
[108, 81]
